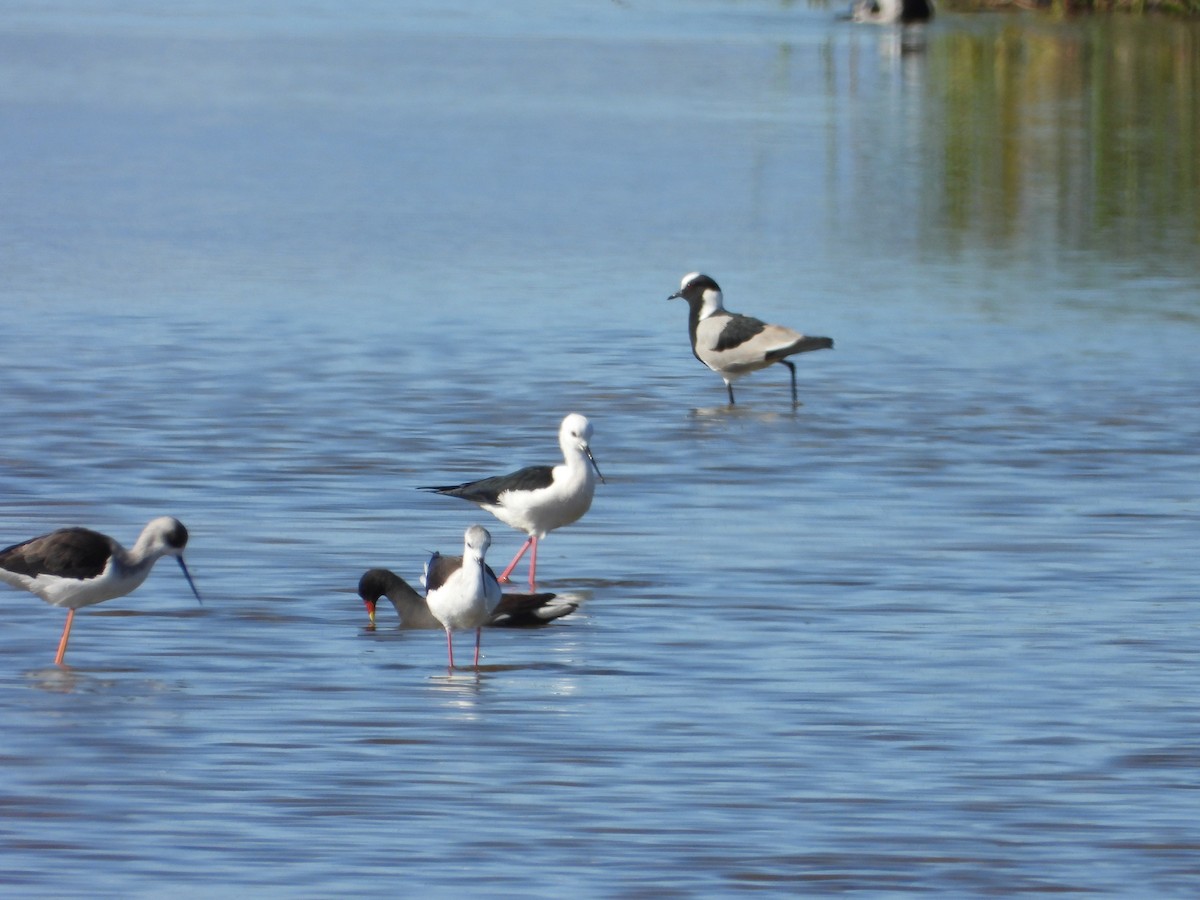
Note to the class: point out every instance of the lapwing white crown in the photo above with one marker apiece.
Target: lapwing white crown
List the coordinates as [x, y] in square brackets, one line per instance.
[462, 590]
[539, 499]
[734, 345]
[513, 610]
[77, 567]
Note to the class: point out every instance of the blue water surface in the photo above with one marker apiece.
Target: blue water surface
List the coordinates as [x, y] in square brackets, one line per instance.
[933, 631]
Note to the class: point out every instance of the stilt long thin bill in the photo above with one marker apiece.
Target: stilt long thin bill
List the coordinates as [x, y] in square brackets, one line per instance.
[592, 460]
[188, 575]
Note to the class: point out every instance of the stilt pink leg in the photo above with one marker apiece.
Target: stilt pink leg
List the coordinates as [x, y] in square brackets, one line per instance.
[516, 559]
[533, 566]
[450, 646]
[478, 632]
[62, 642]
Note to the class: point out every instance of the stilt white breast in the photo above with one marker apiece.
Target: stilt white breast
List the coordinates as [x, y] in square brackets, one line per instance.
[463, 591]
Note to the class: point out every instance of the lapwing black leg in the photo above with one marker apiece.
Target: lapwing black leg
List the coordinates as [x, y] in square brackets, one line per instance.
[792, 368]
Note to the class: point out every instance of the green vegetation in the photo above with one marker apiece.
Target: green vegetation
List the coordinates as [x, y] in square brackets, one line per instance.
[1071, 7]
[1074, 134]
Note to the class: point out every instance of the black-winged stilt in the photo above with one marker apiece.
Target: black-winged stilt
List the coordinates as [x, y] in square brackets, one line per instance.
[539, 499]
[462, 591]
[76, 567]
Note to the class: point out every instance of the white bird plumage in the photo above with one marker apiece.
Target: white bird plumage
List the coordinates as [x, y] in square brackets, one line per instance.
[463, 591]
[538, 499]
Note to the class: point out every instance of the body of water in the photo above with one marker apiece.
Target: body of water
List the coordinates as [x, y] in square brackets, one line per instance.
[934, 631]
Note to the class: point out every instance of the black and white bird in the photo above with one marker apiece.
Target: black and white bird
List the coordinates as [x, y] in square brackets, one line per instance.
[539, 499]
[462, 591]
[77, 567]
[888, 12]
[514, 610]
[734, 345]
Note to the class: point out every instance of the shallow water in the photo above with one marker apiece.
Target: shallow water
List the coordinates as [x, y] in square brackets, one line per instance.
[933, 631]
